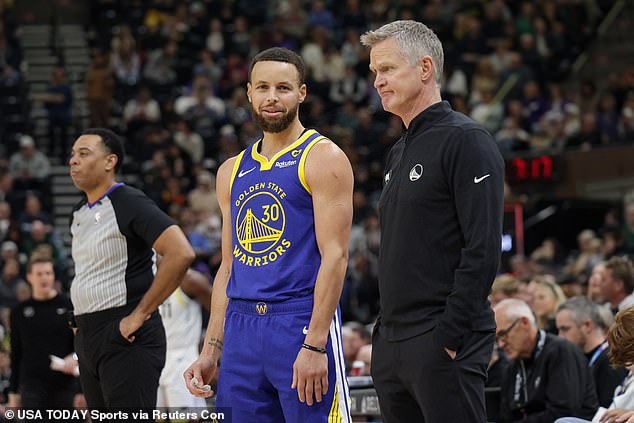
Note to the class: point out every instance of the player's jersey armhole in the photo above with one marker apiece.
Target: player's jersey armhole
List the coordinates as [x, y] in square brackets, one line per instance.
[236, 166]
[302, 163]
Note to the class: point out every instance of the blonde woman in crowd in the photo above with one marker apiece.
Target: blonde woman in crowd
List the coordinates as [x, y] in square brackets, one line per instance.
[547, 296]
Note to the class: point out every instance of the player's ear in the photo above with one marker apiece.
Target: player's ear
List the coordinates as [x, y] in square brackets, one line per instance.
[302, 93]
[249, 90]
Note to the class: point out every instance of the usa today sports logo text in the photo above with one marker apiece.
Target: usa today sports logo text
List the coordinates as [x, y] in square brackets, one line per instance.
[120, 415]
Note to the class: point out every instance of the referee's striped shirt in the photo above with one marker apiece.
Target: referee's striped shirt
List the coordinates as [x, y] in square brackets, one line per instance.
[112, 248]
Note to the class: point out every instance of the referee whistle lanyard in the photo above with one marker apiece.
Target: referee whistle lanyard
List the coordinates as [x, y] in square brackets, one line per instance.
[598, 352]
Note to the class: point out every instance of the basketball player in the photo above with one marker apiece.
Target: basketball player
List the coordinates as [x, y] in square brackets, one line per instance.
[182, 318]
[286, 203]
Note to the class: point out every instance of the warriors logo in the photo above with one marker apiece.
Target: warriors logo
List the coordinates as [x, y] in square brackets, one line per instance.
[260, 223]
[259, 229]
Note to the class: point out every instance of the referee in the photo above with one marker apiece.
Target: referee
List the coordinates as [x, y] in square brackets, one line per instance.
[116, 233]
[441, 222]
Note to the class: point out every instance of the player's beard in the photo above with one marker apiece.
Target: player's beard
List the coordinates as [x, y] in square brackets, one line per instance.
[275, 125]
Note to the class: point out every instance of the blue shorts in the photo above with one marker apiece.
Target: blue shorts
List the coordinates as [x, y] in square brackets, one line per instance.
[261, 343]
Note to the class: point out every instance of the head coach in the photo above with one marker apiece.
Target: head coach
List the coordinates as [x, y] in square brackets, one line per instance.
[441, 223]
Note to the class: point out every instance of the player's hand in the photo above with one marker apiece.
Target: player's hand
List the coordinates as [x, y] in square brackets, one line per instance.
[310, 375]
[617, 415]
[130, 324]
[203, 372]
[450, 353]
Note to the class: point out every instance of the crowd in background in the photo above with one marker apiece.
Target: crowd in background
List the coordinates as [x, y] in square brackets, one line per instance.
[171, 77]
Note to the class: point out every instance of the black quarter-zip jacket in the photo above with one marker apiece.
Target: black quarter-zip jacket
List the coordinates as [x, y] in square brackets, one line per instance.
[441, 226]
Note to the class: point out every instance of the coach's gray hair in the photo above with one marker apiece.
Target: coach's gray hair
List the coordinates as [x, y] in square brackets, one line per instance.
[582, 309]
[414, 41]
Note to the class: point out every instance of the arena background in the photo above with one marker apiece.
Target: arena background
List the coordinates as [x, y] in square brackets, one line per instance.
[553, 81]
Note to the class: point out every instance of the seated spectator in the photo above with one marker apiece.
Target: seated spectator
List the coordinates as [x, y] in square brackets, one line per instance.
[579, 321]
[201, 91]
[99, 91]
[588, 135]
[363, 363]
[59, 103]
[547, 296]
[29, 167]
[595, 281]
[582, 261]
[10, 279]
[32, 212]
[354, 335]
[617, 283]
[189, 141]
[160, 67]
[202, 199]
[504, 286]
[124, 59]
[548, 377]
[7, 223]
[620, 339]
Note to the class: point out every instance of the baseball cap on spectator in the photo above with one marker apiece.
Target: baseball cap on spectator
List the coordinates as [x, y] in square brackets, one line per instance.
[9, 246]
[26, 141]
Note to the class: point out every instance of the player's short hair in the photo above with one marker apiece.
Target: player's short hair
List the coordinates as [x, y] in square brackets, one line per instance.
[284, 55]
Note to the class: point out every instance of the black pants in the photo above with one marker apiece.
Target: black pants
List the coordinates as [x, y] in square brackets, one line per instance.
[417, 381]
[115, 373]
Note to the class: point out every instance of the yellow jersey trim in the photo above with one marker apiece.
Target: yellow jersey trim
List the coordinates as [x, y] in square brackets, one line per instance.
[302, 163]
[178, 294]
[266, 164]
[236, 165]
[334, 416]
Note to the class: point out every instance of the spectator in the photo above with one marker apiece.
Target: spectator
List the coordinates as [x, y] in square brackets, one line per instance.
[202, 199]
[504, 286]
[595, 282]
[617, 283]
[354, 335]
[548, 377]
[99, 90]
[547, 296]
[29, 167]
[189, 141]
[59, 103]
[579, 321]
[620, 339]
[10, 279]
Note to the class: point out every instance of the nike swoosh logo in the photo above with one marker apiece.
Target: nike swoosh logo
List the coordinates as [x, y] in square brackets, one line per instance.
[305, 330]
[244, 172]
[477, 180]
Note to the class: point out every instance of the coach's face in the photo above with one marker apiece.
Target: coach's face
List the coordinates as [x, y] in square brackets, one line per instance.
[275, 94]
[399, 84]
[90, 162]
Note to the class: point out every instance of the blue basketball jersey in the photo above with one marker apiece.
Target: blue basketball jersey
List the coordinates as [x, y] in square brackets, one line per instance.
[275, 254]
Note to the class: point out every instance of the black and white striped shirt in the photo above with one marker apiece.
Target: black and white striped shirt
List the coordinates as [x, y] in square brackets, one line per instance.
[112, 249]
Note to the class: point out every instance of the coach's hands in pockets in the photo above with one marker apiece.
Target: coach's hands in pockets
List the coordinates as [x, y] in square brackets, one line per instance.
[201, 377]
[310, 375]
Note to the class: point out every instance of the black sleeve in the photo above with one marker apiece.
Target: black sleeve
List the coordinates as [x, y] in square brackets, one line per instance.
[606, 380]
[138, 214]
[567, 376]
[16, 350]
[475, 171]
